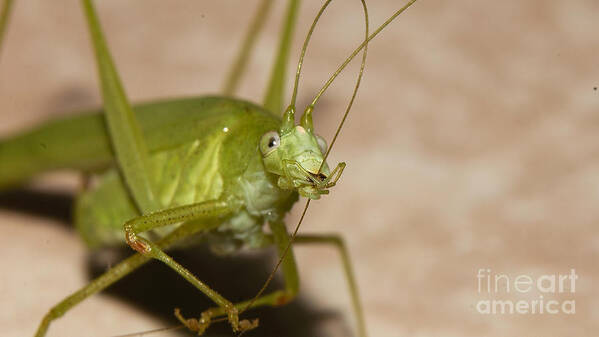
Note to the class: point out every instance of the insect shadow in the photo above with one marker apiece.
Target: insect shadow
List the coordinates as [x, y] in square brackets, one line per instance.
[239, 276]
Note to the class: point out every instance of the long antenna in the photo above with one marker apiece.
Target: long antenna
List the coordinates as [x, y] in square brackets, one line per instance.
[364, 46]
[360, 47]
[294, 234]
[353, 96]
[148, 332]
[303, 52]
[272, 274]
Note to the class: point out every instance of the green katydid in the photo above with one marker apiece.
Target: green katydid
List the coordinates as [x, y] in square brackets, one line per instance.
[206, 164]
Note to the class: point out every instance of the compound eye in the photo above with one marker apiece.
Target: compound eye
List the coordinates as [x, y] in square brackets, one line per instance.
[322, 144]
[269, 142]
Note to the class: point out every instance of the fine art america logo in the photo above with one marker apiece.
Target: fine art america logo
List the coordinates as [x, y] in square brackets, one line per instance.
[534, 294]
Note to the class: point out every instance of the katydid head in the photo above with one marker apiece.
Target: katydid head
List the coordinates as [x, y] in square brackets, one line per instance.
[293, 152]
[296, 154]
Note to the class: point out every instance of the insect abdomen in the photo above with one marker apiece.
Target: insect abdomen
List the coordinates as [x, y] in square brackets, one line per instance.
[183, 175]
[82, 142]
[101, 212]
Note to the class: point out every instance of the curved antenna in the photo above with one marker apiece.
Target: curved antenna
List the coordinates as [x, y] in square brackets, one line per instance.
[296, 230]
[172, 328]
[360, 47]
[363, 45]
[148, 332]
[303, 52]
[354, 93]
[272, 274]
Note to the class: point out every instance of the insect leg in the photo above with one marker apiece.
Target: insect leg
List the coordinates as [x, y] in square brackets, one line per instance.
[276, 298]
[109, 277]
[4, 15]
[130, 148]
[112, 275]
[273, 100]
[291, 277]
[208, 211]
[337, 242]
[249, 42]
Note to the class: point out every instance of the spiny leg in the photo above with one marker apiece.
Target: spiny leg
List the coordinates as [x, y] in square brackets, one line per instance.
[281, 297]
[276, 298]
[249, 42]
[133, 159]
[112, 275]
[4, 16]
[337, 242]
[273, 99]
[208, 211]
[130, 148]
[109, 277]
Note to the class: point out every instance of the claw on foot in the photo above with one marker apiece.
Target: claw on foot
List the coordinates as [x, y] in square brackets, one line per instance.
[195, 325]
[200, 325]
[139, 246]
[134, 242]
[246, 324]
[233, 315]
[282, 300]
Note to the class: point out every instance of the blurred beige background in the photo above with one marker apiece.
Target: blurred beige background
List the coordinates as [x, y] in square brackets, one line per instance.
[472, 144]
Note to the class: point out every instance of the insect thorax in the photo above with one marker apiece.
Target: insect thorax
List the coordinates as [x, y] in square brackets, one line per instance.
[221, 165]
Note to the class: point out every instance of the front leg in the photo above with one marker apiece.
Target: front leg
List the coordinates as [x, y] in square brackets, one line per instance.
[205, 211]
[280, 238]
[112, 275]
[4, 15]
[199, 211]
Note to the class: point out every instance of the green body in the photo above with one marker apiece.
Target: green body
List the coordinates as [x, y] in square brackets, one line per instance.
[222, 161]
[82, 142]
[200, 149]
[172, 170]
